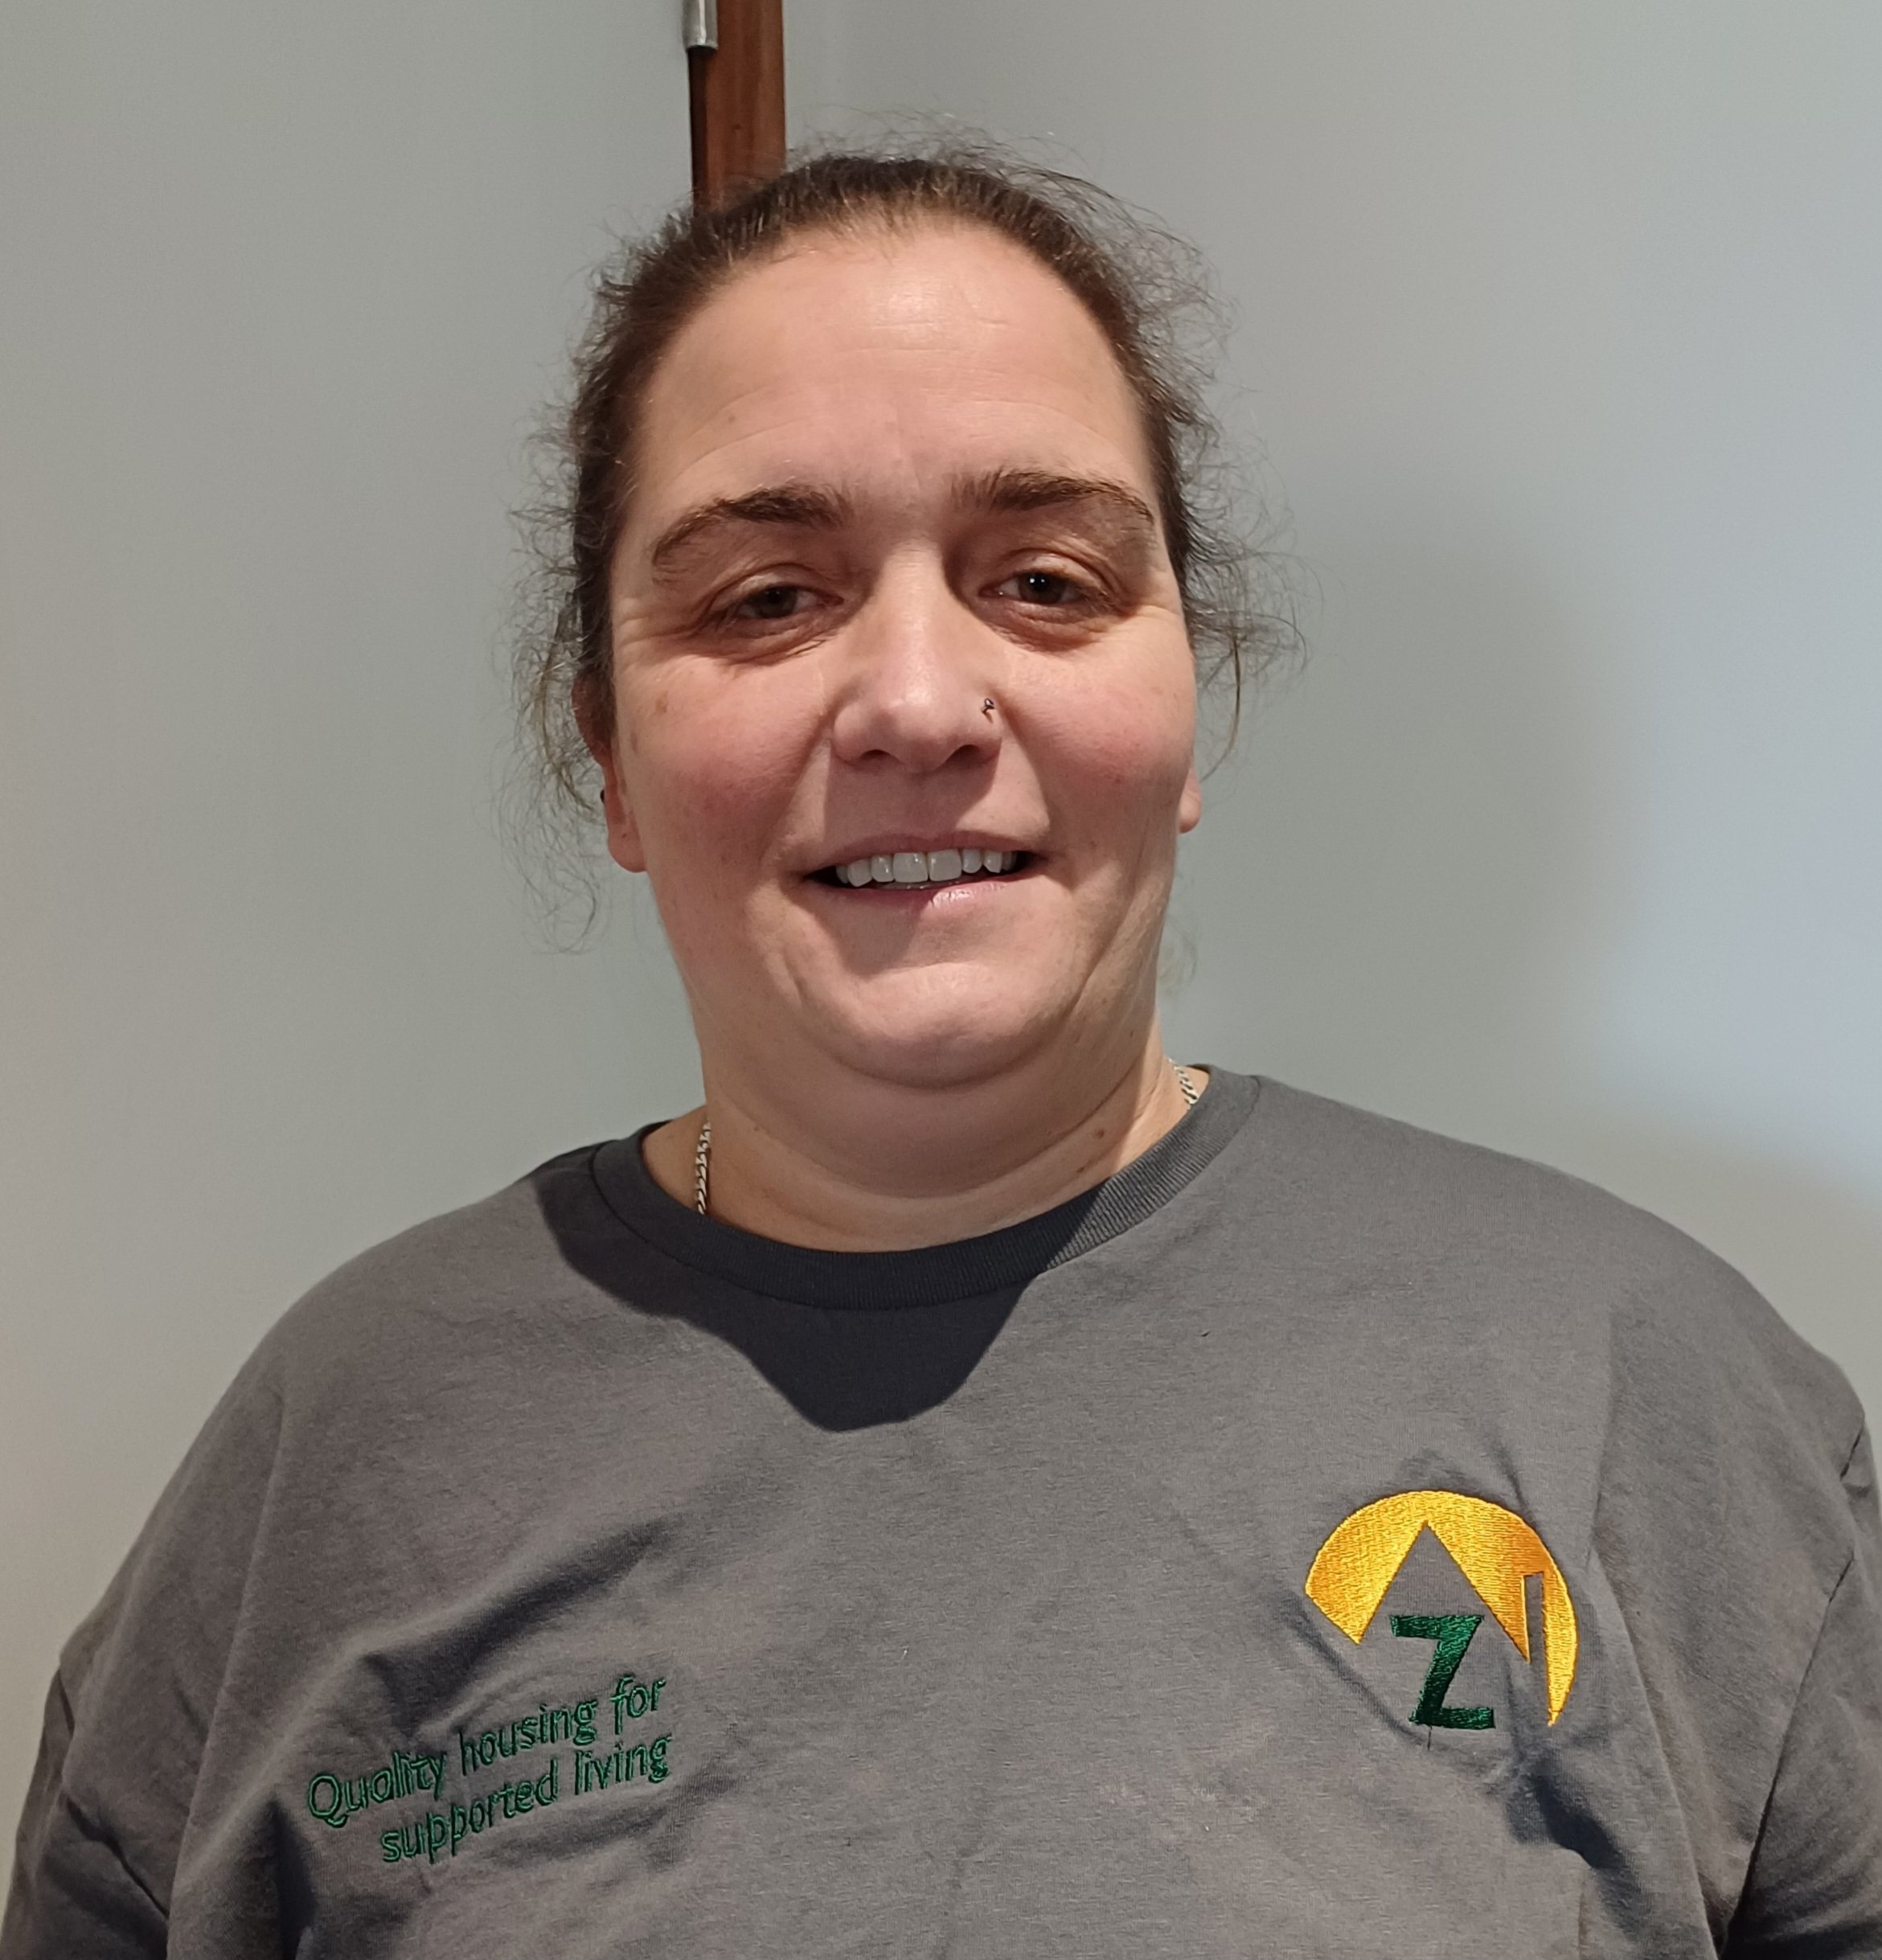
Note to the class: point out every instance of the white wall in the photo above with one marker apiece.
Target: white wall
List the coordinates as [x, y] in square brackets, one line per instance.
[1558, 323]
[280, 290]
[1562, 326]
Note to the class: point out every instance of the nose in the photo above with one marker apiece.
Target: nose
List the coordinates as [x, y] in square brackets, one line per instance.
[920, 667]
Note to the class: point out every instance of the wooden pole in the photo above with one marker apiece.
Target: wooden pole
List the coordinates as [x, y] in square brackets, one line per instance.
[737, 92]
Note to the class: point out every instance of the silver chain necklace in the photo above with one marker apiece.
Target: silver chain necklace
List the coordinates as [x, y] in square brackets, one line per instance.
[703, 1150]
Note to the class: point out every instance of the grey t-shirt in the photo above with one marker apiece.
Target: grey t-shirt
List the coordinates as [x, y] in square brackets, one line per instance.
[1319, 1539]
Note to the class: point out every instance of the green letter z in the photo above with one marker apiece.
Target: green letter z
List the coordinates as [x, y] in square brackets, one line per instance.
[1452, 1632]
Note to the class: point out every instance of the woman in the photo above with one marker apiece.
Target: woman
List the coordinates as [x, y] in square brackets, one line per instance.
[974, 1485]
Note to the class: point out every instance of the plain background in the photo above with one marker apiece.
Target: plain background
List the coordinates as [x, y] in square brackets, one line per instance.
[1557, 328]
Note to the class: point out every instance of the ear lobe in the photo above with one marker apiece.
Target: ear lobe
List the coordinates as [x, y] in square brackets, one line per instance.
[1189, 809]
[623, 834]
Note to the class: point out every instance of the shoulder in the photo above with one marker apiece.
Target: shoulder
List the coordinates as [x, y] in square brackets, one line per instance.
[393, 1364]
[485, 1283]
[1689, 1337]
[394, 1372]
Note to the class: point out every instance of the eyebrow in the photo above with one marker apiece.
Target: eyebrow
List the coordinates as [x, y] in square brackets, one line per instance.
[802, 506]
[811, 506]
[1043, 489]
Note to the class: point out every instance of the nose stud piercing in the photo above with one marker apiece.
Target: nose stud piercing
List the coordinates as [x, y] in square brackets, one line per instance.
[986, 707]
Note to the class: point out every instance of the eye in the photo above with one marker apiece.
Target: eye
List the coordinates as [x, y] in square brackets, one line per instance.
[770, 602]
[1040, 588]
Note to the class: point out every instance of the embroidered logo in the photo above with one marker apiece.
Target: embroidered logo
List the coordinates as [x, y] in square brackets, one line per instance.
[1495, 1551]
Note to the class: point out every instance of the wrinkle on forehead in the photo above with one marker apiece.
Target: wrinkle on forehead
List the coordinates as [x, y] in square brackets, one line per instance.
[946, 344]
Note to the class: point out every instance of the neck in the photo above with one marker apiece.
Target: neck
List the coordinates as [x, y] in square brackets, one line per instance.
[885, 1168]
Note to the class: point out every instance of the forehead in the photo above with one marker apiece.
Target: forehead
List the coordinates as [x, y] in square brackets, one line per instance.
[886, 364]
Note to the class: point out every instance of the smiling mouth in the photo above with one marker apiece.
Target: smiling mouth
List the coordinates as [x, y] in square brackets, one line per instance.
[915, 870]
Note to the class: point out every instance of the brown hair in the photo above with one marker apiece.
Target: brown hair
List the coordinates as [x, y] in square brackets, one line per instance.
[1146, 291]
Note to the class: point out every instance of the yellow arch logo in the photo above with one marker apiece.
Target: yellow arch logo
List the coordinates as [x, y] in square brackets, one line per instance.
[1494, 1549]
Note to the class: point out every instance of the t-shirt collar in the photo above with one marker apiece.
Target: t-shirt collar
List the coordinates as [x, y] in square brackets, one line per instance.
[962, 1268]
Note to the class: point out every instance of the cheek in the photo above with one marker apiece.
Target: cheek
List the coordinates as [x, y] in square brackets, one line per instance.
[709, 770]
[1121, 760]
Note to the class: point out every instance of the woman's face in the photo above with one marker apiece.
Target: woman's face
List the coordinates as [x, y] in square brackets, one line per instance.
[881, 481]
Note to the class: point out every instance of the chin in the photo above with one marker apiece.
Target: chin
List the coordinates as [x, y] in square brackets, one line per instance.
[969, 1042]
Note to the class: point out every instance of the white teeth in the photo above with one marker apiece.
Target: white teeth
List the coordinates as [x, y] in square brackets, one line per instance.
[922, 868]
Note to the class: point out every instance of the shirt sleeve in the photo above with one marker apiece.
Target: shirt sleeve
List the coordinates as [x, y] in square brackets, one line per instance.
[113, 1795]
[72, 1892]
[1814, 1888]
